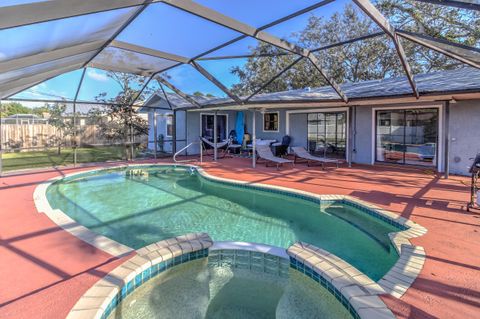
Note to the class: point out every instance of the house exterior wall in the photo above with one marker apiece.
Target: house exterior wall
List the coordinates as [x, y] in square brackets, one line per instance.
[193, 127]
[266, 135]
[464, 135]
[463, 128]
[162, 129]
[362, 141]
[298, 129]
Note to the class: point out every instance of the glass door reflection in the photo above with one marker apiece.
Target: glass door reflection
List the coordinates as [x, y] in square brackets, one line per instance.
[327, 134]
[408, 136]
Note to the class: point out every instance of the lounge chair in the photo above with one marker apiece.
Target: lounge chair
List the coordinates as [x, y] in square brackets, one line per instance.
[302, 154]
[221, 146]
[264, 152]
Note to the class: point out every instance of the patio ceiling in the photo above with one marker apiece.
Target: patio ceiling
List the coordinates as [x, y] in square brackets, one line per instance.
[177, 46]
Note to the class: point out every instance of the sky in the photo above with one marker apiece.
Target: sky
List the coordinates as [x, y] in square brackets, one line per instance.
[159, 27]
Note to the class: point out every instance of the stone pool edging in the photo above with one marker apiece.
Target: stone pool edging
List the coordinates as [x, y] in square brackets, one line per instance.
[68, 224]
[395, 282]
[357, 292]
[103, 297]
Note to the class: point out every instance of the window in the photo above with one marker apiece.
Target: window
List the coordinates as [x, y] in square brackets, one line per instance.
[169, 125]
[270, 122]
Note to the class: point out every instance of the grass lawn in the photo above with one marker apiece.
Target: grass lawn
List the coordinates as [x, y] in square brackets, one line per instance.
[50, 158]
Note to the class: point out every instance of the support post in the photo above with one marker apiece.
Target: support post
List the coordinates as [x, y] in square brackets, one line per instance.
[131, 137]
[446, 159]
[1, 141]
[351, 134]
[215, 137]
[75, 118]
[254, 141]
[155, 141]
[186, 133]
[174, 132]
[74, 134]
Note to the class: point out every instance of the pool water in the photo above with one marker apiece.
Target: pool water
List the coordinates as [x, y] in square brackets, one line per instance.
[201, 290]
[158, 202]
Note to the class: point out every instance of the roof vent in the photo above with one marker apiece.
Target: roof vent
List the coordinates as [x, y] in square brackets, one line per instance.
[308, 89]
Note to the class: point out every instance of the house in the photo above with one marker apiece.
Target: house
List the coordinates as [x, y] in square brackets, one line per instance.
[381, 123]
[23, 119]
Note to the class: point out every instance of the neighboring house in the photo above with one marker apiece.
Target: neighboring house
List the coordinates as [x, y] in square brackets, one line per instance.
[382, 123]
[82, 114]
[24, 119]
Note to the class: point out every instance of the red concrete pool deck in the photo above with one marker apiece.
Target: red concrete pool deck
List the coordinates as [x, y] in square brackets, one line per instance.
[44, 269]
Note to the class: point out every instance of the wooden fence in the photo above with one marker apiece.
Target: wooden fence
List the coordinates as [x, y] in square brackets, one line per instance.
[35, 136]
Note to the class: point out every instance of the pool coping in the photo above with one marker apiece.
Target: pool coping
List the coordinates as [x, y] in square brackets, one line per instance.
[395, 282]
[103, 297]
[355, 291]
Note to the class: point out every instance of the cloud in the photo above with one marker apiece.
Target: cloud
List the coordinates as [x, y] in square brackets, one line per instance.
[33, 104]
[97, 75]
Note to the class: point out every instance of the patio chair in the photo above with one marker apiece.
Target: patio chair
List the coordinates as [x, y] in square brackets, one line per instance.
[302, 154]
[281, 148]
[264, 152]
[222, 146]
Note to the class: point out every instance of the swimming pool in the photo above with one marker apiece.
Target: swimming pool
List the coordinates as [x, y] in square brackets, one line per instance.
[140, 205]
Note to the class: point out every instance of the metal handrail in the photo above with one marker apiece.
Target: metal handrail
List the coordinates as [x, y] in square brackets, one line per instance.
[188, 160]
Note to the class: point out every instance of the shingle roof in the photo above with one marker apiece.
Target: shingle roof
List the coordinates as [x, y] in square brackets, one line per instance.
[460, 80]
[464, 79]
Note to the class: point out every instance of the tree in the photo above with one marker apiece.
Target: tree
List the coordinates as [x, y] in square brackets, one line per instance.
[40, 111]
[374, 58]
[119, 121]
[200, 94]
[441, 22]
[65, 126]
[13, 108]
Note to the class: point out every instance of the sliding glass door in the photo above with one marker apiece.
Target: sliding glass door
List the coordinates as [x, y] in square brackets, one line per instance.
[327, 133]
[408, 136]
[206, 129]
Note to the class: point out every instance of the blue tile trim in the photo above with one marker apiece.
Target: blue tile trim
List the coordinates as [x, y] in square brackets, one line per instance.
[312, 199]
[251, 260]
[148, 274]
[309, 272]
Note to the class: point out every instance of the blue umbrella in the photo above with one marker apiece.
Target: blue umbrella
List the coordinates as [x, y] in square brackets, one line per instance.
[240, 126]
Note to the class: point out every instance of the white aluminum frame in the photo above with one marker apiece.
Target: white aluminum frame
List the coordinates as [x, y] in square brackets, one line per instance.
[440, 140]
